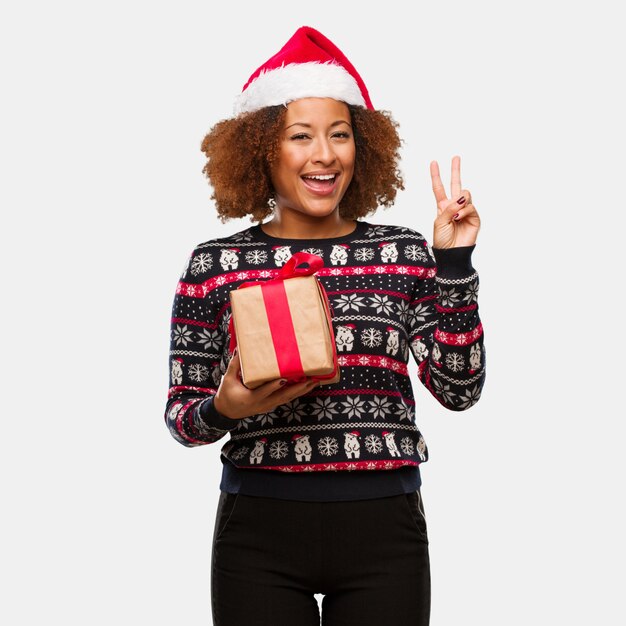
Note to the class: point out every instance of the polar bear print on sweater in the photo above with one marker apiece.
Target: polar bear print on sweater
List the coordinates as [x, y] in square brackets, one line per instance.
[393, 341]
[437, 355]
[282, 254]
[256, 456]
[344, 337]
[302, 448]
[474, 358]
[419, 349]
[388, 252]
[390, 442]
[229, 259]
[351, 445]
[339, 254]
[421, 448]
[177, 372]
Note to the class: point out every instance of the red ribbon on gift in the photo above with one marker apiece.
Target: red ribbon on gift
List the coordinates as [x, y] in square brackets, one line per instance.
[279, 317]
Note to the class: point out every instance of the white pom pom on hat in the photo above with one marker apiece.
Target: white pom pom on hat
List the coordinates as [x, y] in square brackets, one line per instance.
[309, 65]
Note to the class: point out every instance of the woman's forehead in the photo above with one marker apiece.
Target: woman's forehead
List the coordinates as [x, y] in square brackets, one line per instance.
[316, 110]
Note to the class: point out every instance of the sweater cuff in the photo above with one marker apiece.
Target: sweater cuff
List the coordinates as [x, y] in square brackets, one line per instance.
[213, 418]
[454, 262]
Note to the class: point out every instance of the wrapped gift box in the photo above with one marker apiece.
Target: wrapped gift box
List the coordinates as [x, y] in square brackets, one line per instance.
[283, 326]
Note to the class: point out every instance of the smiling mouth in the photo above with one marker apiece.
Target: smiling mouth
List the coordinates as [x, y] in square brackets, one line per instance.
[320, 184]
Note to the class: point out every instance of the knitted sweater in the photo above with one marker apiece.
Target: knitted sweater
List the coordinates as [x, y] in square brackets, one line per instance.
[392, 295]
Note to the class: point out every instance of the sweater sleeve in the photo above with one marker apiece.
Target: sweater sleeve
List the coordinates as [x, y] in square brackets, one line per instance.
[195, 345]
[445, 332]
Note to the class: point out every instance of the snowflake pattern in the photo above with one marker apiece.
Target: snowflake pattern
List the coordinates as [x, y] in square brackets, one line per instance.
[265, 419]
[349, 301]
[316, 251]
[256, 257]
[181, 334]
[380, 406]
[244, 424]
[354, 407]
[471, 294]
[244, 235]
[470, 397]
[240, 453]
[419, 313]
[201, 263]
[293, 410]
[376, 230]
[444, 391]
[449, 297]
[364, 254]
[405, 412]
[382, 304]
[407, 446]
[198, 373]
[373, 444]
[324, 407]
[455, 361]
[403, 310]
[279, 449]
[415, 253]
[328, 446]
[225, 322]
[371, 337]
[210, 340]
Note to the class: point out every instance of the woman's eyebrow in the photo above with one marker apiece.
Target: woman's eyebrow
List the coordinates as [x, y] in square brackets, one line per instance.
[309, 125]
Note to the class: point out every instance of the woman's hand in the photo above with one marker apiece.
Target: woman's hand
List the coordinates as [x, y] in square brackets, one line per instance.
[233, 399]
[448, 231]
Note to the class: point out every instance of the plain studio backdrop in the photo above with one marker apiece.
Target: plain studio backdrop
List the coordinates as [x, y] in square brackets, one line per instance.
[107, 520]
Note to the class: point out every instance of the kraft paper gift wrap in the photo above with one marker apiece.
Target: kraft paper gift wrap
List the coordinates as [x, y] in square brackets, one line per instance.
[283, 326]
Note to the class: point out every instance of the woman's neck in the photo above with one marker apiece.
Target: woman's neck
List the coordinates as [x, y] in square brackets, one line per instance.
[302, 226]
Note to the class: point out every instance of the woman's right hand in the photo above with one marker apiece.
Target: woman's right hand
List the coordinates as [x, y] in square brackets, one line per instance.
[234, 400]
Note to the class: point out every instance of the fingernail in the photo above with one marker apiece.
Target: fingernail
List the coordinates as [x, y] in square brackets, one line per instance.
[283, 381]
[456, 216]
[461, 200]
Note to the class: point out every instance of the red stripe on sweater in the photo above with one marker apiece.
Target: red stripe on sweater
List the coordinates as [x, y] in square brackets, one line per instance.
[200, 291]
[372, 360]
[459, 339]
[450, 309]
[329, 467]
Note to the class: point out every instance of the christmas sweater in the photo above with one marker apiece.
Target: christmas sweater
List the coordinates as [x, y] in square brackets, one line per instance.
[392, 296]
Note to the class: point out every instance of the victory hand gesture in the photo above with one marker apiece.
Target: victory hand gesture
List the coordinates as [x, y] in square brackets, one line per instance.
[457, 224]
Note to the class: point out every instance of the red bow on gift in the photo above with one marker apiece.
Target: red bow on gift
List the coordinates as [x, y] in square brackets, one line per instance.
[279, 317]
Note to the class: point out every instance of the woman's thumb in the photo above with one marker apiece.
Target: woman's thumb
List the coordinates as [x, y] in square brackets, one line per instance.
[235, 359]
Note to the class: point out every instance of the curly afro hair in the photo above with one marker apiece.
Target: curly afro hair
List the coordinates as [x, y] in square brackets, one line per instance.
[240, 152]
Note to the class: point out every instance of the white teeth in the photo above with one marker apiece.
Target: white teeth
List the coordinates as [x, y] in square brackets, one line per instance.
[322, 177]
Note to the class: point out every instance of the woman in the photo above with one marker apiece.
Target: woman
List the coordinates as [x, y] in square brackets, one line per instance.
[320, 490]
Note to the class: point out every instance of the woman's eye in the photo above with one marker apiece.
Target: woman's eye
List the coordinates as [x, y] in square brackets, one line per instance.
[343, 135]
[299, 136]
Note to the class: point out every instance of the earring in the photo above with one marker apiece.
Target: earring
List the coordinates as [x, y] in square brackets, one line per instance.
[271, 203]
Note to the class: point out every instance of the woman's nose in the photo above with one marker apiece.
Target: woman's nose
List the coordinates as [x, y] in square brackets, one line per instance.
[323, 152]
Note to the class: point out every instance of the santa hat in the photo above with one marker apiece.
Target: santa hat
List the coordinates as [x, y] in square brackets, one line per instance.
[309, 65]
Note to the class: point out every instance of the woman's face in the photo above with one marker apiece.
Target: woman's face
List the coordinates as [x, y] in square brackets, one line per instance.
[316, 157]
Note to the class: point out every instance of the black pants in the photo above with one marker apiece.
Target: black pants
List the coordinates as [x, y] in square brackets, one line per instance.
[368, 557]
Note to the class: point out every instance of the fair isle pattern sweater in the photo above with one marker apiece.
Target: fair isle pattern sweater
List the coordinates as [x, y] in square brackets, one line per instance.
[391, 294]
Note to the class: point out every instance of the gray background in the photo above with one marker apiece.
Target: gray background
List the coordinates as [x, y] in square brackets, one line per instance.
[107, 519]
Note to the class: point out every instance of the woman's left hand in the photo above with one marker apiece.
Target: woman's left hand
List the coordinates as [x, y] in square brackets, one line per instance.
[448, 231]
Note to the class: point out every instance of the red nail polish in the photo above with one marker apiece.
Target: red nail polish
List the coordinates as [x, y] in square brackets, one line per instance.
[461, 200]
[456, 216]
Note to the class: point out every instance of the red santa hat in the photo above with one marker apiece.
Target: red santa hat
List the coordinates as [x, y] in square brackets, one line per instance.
[309, 65]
